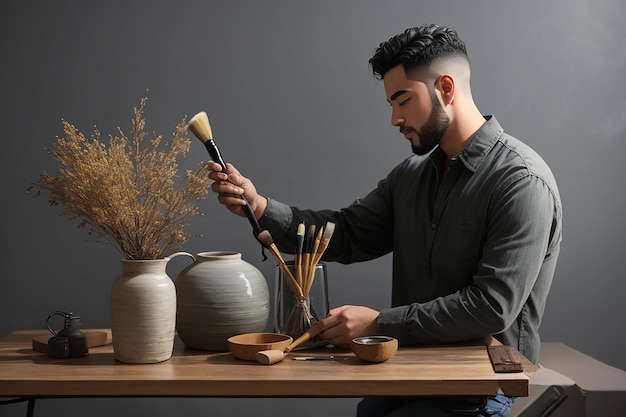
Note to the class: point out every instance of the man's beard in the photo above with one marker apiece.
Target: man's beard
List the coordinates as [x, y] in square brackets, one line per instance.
[433, 129]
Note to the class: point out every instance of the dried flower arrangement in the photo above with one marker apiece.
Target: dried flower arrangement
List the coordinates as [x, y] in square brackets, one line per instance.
[126, 193]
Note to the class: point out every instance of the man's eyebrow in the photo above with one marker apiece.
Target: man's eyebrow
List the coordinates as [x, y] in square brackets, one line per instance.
[396, 95]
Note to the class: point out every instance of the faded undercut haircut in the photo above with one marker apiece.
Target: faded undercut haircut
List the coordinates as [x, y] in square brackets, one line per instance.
[416, 48]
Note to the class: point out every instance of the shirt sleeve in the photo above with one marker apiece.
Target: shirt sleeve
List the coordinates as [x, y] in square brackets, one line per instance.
[363, 230]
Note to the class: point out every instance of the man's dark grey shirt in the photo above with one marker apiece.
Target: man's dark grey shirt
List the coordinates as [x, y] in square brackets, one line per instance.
[474, 248]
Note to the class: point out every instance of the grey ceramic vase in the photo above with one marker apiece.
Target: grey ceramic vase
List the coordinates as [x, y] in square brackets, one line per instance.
[220, 296]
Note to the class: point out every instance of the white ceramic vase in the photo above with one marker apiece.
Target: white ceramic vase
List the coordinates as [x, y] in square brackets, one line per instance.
[143, 311]
[220, 296]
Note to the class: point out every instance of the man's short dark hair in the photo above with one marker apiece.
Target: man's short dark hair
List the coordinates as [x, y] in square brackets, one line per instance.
[416, 47]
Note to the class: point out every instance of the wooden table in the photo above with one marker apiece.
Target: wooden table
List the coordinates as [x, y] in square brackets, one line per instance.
[413, 371]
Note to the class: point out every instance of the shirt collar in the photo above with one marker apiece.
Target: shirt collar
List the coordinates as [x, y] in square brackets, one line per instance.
[481, 143]
[477, 148]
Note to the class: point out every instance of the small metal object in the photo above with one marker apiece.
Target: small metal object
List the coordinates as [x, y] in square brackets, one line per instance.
[58, 347]
[320, 358]
[76, 339]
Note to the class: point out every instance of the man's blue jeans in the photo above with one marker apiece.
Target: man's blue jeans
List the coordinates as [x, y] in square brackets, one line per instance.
[498, 406]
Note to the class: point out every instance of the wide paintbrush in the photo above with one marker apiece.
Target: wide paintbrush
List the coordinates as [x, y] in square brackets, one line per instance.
[199, 125]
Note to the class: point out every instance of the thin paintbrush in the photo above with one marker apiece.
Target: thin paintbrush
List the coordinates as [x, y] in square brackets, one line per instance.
[323, 245]
[310, 269]
[199, 125]
[266, 239]
[308, 245]
[328, 234]
[298, 260]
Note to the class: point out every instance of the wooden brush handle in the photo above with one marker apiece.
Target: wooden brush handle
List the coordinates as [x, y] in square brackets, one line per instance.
[291, 281]
[269, 357]
[302, 339]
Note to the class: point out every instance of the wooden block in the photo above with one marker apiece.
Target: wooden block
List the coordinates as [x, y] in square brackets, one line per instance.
[504, 359]
[94, 338]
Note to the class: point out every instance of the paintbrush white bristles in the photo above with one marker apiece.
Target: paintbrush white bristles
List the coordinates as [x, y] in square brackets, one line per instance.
[199, 125]
[321, 243]
[328, 234]
[330, 229]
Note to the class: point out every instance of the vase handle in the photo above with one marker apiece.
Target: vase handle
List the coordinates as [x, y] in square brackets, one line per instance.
[167, 258]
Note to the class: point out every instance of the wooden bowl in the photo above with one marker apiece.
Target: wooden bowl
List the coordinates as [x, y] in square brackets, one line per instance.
[245, 346]
[374, 348]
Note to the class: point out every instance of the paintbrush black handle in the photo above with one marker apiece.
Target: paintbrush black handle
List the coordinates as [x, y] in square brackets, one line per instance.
[216, 156]
[251, 217]
[215, 153]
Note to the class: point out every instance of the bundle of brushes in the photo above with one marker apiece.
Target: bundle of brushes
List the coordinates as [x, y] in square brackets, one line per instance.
[300, 275]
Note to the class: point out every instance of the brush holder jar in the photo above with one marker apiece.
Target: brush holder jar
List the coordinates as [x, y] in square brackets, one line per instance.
[293, 314]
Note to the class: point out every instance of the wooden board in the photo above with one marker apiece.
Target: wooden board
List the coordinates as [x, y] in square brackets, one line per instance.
[504, 359]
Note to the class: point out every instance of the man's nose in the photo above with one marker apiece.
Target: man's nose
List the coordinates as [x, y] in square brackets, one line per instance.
[397, 120]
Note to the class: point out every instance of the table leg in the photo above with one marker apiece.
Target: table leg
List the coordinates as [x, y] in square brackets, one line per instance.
[30, 410]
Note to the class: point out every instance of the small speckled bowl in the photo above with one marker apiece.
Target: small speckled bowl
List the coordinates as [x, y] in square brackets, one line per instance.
[245, 346]
[374, 348]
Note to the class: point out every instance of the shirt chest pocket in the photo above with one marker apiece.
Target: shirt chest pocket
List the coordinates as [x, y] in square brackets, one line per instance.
[462, 238]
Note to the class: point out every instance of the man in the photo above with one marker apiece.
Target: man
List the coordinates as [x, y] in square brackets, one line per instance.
[473, 220]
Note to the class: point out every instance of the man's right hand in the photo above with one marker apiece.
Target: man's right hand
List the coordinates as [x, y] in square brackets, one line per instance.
[229, 188]
[345, 323]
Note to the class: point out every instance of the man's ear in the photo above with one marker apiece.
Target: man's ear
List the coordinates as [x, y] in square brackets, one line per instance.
[445, 85]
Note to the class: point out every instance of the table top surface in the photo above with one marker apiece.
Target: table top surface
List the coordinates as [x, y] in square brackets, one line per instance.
[412, 371]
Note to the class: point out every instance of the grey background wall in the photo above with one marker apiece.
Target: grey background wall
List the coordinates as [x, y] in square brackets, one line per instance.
[292, 103]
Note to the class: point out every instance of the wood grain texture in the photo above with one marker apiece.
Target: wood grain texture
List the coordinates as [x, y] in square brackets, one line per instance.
[428, 370]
